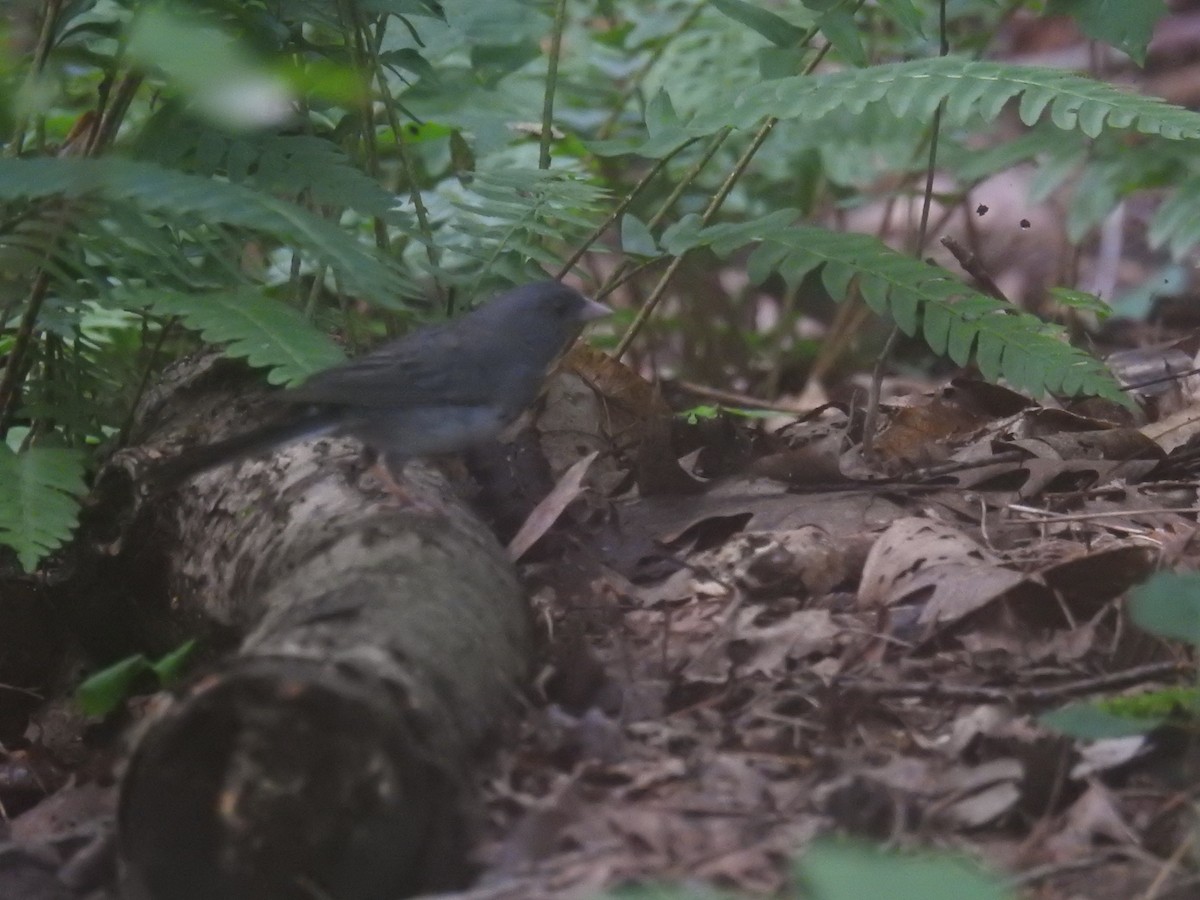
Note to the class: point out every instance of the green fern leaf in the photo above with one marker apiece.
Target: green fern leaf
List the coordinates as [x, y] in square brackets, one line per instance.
[513, 220]
[189, 201]
[926, 300]
[38, 500]
[970, 89]
[1176, 224]
[978, 88]
[265, 332]
[290, 164]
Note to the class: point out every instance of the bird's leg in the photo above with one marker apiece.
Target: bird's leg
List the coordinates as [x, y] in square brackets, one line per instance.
[377, 465]
[398, 494]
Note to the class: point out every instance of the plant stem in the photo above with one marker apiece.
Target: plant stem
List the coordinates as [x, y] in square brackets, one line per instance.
[560, 18]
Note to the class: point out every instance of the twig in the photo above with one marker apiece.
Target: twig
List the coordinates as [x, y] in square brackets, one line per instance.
[937, 690]
[745, 401]
[1168, 866]
[1049, 516]
[714, 204]
[974, 267]
[612, 217]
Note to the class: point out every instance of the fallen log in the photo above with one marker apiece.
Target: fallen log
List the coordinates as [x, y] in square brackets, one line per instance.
[382, 646]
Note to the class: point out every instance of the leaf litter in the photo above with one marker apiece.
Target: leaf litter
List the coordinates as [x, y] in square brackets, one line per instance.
[811, 643]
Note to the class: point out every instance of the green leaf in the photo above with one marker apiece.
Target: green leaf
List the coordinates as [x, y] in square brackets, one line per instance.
[1168, 605]
[774, 28]
[210, 68]
[636, 239]
[267, 333]
[971, 90]
[131, 194]
[838, 25]
[38, 500]
[1091, 722]
[169, 668]
[1007, 343]
[104, 691]
[1082, 301]
[904, 14]
[841, 871]
[1126, 24]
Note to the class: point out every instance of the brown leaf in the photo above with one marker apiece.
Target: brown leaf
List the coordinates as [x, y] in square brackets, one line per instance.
[546, 513]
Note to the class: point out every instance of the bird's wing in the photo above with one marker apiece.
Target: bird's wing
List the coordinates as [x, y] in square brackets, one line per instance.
[428, 367]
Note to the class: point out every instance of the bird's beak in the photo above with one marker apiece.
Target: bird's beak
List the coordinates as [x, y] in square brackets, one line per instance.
[593, 310]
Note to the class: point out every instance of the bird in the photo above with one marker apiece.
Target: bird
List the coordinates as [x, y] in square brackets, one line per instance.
[438, 390]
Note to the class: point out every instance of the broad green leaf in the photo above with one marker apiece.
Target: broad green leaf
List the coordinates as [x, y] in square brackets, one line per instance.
[169, 668]
[107, 689]
[838, 871]
[774, 28]
[1126, 24]
[1090, 722]
[636, 239]
[1168, 605]
[39, 507]
[104, 691]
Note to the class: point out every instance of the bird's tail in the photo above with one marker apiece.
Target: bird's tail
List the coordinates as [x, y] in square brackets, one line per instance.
[311, 423]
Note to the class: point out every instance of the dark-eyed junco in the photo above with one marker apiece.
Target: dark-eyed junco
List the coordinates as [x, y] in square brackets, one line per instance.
[438, 390]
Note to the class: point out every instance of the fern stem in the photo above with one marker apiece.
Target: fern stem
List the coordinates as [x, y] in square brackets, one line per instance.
[871, 416]
[714, 206]
[40, 54]
[14, 369]
[635, 81]
[114, 114]
[629, 197]
[622, 272]
[414, 191]
[144, 382]
[357, 45]
[627, 274]
[314, 293]
[560, 18]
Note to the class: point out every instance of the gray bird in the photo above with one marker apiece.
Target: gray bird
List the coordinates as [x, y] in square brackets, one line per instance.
[438, 390]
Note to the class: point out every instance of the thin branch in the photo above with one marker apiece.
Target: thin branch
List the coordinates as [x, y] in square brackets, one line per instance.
[600, 229]
[973, 266]
[560, 18]
[939, 690]
[414, 191]
[710, 211]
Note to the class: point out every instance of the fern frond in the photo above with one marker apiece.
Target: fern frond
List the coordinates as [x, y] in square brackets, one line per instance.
[1176, 224]
[289, 164]
[194, 202]
[512, 217]
[922, 299]
[971, 91]
[263, 331]
[38, 505]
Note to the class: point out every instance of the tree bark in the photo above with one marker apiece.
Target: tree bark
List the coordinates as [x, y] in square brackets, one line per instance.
[383, 644]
